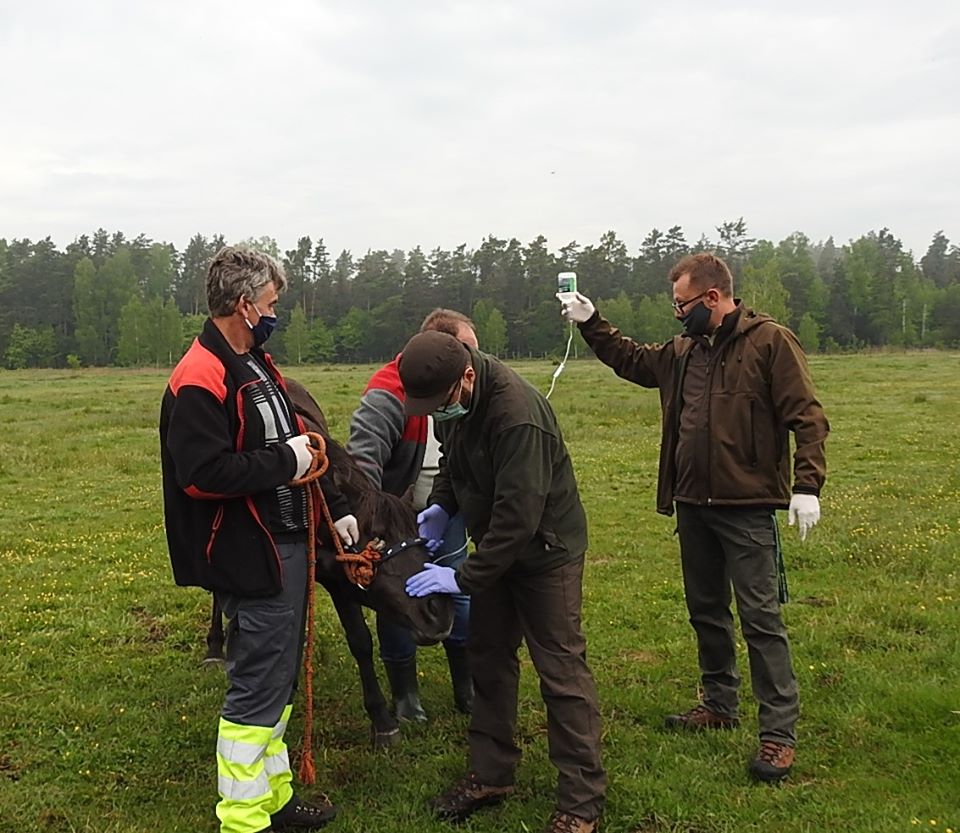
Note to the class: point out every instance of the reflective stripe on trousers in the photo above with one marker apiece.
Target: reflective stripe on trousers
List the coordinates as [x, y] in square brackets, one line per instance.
[253, 774]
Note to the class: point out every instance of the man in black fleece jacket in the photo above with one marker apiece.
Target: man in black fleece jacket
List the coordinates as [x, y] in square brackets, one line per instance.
[506, 468]
[230, 444]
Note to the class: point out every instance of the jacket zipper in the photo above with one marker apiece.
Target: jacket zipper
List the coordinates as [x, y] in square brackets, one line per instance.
[241, 416]
[252, 509]
[249, 501]
[709, 395]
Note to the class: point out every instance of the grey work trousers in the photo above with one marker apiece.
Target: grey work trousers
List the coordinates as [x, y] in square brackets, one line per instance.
[265, 644]
[544, 610]
[720, 547]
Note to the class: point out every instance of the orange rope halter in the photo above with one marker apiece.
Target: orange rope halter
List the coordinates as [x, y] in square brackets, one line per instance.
[360, 569]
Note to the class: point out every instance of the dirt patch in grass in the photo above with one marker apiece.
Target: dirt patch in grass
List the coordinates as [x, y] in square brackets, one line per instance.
[153, 629]
[815, 601]
[9, 768]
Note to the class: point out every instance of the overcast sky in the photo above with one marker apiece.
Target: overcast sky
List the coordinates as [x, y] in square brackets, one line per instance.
[392, 123]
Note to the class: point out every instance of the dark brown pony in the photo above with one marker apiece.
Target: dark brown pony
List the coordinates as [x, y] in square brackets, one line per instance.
[379, 515]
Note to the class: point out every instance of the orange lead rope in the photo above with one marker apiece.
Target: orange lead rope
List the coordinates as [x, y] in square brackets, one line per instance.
[311, 480]
[359, 567]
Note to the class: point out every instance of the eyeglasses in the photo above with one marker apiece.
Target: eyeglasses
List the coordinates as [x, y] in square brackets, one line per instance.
[679, 305]
[454, 396]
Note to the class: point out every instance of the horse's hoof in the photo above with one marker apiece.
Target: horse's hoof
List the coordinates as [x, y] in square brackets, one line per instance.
[212, 662]
[384, 740]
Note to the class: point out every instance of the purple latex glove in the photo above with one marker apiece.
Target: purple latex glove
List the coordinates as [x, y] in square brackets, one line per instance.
[433, 579]
[431, 523]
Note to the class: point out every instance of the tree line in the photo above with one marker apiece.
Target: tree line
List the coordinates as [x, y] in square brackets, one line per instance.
[109, 300]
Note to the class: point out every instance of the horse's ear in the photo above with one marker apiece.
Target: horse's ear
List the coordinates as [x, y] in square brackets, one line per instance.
[407, 496]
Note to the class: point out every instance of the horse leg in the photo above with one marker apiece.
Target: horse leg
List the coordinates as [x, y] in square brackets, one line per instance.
[214, 655]
[386, 730]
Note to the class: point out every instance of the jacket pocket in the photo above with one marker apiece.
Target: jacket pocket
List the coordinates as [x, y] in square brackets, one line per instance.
[214, 529]
[240, 556]
[552, 544]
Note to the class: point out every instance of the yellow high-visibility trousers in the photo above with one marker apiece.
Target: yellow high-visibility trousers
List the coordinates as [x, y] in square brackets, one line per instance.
[253, 774]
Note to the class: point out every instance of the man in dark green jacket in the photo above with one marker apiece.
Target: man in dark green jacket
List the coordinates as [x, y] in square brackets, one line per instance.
[733, 388]
[506, 468]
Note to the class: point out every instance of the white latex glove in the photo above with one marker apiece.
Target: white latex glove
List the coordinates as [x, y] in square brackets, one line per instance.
[347, 529]
[805, 510]
[300, 445]
[578, 308]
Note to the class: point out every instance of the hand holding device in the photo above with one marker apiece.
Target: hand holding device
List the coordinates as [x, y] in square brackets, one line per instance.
[577, 308]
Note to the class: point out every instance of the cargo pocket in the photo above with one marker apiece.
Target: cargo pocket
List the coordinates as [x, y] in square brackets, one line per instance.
[762, 536]
[262, 647]
[750, 528]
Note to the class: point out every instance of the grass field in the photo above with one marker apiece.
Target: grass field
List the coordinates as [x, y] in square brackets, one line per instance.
[107, 720]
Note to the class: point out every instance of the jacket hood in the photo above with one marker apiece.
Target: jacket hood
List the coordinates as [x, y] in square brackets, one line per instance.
[748, 318]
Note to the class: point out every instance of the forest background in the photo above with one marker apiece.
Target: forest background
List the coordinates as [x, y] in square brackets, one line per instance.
[109, 300]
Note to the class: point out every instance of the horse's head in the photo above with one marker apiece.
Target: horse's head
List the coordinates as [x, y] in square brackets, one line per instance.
[393, 520]
[389, 518]
[430, 618]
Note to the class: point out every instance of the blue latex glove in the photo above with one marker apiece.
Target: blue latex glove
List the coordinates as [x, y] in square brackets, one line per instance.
[431, 523]
[433, 579]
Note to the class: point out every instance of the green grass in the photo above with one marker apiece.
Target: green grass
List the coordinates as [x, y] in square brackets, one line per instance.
[108, 722]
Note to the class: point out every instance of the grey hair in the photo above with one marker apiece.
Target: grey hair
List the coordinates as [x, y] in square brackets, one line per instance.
[237, 272]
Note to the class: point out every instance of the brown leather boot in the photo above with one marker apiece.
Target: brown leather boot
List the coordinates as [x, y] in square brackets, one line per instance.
[467, 796]
[698, 719]
[773, 762]
[561, 822]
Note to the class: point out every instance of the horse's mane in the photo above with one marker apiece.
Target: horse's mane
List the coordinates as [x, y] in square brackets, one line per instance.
[386, 514]
[379, 512]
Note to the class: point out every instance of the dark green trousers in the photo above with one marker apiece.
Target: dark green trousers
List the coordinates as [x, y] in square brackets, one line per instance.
[722, 548]
[544, 610]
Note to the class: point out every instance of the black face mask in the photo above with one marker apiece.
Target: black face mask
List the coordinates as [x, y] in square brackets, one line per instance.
[697, 321]
[263, 328]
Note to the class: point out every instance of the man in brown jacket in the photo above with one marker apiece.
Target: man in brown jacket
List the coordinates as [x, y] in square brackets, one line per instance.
[732, 389]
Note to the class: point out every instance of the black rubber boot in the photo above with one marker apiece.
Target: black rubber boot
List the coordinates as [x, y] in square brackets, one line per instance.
[460, 677]
[405, 689]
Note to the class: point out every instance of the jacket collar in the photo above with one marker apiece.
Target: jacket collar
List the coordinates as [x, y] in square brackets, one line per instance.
[213, 340]
[481, 388]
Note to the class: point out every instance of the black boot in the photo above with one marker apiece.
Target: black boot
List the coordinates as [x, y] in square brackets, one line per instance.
[405, 689]
[299, 814]
[460, 677]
